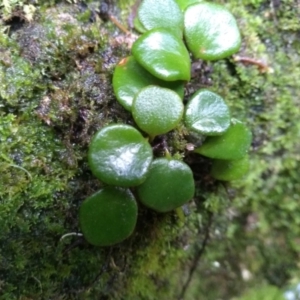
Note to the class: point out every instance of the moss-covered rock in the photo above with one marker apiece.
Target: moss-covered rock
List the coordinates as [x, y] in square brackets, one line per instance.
[56, 62]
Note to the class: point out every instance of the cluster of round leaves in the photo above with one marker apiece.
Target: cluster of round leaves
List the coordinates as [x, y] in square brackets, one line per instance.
[150, 84]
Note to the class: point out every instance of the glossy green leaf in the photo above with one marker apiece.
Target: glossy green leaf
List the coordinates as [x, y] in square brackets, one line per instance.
[129, 78]
[138, 25]
[157, 110]
[108, 216]
[161, 14]
[163, 55]
[207, 113]
[233, 144]
[169, 184]
[183, 4]
[120, 155]
[211, 31]
[230, 169]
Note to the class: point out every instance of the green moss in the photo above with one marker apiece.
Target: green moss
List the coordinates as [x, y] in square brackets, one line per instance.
[55, 91]
[18, 82]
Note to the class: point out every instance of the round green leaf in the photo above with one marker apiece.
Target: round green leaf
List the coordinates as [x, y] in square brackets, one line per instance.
[157, 110]
[207, 113]
[108, 217]
[230, 169]
[169, 184]
[120, 155]
[183, 4]
[163, 55]
[233, 144]
[211, 31]
[129, 78]
[161, 14]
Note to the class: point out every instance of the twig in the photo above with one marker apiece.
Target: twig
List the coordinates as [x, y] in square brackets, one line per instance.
[197, 258]
[248, 60]
[119, 25]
